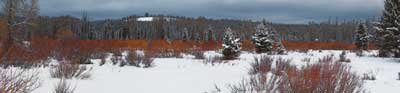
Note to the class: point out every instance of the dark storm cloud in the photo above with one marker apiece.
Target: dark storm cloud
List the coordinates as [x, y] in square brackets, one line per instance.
[285, 11]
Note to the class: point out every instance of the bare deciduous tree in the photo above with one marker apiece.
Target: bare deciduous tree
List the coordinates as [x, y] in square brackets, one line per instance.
[19, 14]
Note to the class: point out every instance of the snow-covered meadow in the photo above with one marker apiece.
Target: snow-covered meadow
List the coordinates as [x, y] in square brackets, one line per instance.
[188, 75]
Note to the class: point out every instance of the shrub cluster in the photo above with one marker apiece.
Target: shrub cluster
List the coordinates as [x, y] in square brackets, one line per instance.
[261, 65]
[326, 76]
[18, 81]
[198, 53]
[70, 70]
[140, 60]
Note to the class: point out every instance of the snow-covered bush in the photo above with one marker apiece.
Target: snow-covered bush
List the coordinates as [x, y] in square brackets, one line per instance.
[343, 58]
[116, 57]
[147, 62]
[70, 70]
[63, 87]
[114, 60]
[263, 39]
[133, 59]
[307, 59]
[103, 60]
[212, 60]
[231, 45]
[261, 65]
[198, 53]
[136, 59]
[280, 50]
[122, 63]
[368, 76]
[18, 81]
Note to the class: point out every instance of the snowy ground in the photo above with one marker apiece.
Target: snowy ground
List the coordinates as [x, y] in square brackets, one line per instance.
[186, 75]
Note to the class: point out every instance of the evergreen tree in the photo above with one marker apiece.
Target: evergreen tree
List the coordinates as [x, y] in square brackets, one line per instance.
[185, 34]
[231, 45]
[263, 39]
[388, 30]
[361, 39]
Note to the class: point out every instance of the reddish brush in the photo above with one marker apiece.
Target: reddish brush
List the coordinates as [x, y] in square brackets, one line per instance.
[326, 76]
[42, 47]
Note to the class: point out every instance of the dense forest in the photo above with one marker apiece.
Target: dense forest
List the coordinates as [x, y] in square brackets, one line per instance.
[188, 28]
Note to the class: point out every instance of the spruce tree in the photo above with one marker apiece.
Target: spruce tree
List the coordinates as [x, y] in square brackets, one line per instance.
[231, 45]
[262, 39]
[361, 39]
[388, 30]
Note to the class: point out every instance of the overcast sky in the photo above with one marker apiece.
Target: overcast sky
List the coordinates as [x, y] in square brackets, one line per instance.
[283, 11]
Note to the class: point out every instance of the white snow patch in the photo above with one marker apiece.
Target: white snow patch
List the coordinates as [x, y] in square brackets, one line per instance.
[145, 19]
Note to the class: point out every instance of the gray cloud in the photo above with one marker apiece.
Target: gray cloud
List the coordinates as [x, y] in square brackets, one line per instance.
[284, 11]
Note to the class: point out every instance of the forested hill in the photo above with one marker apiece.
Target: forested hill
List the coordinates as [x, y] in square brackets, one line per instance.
[187, 28]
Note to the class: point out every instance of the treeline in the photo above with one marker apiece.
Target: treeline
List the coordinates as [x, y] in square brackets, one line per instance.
[187, 28]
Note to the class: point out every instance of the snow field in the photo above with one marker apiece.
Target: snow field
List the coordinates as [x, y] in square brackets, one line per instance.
[187, 75]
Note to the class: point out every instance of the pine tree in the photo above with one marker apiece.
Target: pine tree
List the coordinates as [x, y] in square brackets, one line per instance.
[385, 43]
[231, 45]
[263, 39]
[388, 30]
[361, 39]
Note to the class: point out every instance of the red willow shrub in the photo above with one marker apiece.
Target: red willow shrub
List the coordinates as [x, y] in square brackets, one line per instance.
[326, 76]
[18, 81]
[41, 47]
[107, 45]
[22, 56]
